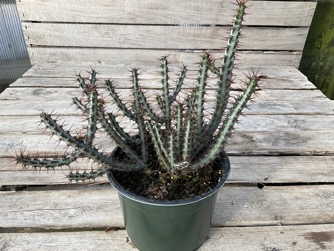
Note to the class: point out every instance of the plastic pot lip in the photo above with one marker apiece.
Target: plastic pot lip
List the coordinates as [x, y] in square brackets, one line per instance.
[225, 173]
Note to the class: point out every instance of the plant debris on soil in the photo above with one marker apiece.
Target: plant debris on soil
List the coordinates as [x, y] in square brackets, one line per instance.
[162, 185]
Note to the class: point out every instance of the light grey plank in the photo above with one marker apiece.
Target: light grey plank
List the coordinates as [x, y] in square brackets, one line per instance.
[37, 82]
[161, 37]
[297, 238]
[249, 123]
[64, 94]
[149, 57]
[245, 169]
[162, 12]
[69, 70]
[241, 143]
[34, 107]
[266, 103]
[97, 206]
[278, 238]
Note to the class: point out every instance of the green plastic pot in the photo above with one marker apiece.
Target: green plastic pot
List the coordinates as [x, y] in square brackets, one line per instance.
[179, 225]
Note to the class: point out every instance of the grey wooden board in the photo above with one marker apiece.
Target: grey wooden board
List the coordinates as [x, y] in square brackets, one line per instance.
[269, 83]
[105, 70]
[267, 238]
[248, 123]
[241, 143]
[161, 37]
[262, 13]
[145, 57]
[266, 107]
[245, 169]
[64, 94]
[97, 206]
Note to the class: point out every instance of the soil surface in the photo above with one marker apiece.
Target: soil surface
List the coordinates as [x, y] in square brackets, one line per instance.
[160, 184]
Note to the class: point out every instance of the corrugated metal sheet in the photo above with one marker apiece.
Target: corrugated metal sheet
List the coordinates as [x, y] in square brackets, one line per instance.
[14, 58]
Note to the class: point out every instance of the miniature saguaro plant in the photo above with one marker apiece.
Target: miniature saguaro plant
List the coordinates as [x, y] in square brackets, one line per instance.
[177, 137]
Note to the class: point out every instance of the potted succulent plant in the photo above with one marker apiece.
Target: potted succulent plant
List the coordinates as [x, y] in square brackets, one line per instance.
[169, 169]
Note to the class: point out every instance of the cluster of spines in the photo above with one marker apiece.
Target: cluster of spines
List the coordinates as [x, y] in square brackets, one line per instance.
[180, 136]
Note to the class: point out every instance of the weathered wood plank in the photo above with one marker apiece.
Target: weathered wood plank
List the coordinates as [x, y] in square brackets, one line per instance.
[245, 169]
[69, 70]
[242, 143]
[277, 238]
[161, 37]
[34, 107]
[269, 83]
[244, 206]
[98, 207]
[44, 94]
[268, 238]
[146, 57]
[162, 12]
[249, 123]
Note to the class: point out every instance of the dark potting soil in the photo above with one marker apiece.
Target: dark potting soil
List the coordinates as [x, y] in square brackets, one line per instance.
[162, 185]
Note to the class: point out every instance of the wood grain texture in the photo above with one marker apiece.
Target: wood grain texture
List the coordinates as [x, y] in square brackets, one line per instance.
[53, 29]
[242, 143]
[97, 207]
[161, 37]
[268, 238]
[283, 13]
[149, 57]
[44, 94]
[250, 123]
[69, 70]
[43, 82]
[245, 169]
[61, 106]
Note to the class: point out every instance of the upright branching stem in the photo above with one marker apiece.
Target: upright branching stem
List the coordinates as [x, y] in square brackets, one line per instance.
[165, 92]
[158, 144]
[118, 101]
[115, 136]
[178, 84]
[138, 109]
[200, 92]
[179, 121]
[225, 72]
[227, 127]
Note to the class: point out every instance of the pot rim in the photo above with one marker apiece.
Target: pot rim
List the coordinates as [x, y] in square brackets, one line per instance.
[225, 173]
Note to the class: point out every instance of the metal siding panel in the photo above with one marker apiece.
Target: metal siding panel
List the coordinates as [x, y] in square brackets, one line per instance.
[14, 58]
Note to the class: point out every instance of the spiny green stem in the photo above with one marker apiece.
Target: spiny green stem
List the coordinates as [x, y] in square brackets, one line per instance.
[83, 176]
[88, 150]
[138, 109]
[165, 91]
[171, 153]
[158, 145]
[154, 116]
[79, 105]
[92, 118]
[115, 125]
[187, 140]
[225, 74]
[231, 118]
[200, 92]
[178, 85]
[48, 163]
[120, 142]
[178, 129]
[118, 101]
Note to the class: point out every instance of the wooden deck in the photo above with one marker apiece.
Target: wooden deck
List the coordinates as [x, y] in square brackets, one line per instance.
[280, 195]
